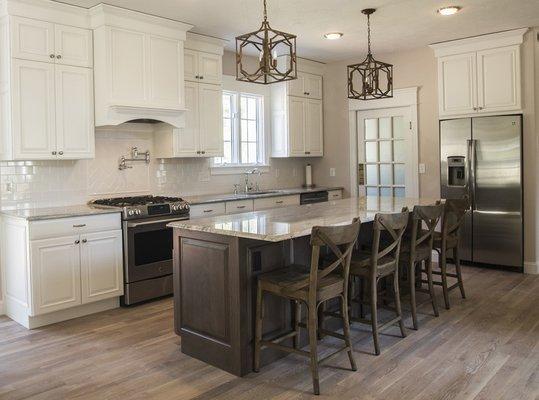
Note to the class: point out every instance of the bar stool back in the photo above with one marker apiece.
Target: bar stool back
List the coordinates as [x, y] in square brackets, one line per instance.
[381, 261]
[311, 286]
[417, 250]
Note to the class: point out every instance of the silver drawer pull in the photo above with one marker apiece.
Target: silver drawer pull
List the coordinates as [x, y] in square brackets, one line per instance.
[240, 206]
[79, 225]
[279, 202]
[208, 211]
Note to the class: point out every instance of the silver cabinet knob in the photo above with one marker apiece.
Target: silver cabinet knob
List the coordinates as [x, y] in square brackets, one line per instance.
[61, 153]
[58, 56]
[77, 241]
[203, 152]
[51, 55]
[84, 240]
[53, 153]
[201, 77]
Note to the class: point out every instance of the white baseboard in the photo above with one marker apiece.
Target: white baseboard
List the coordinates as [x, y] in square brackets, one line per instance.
[531, 268]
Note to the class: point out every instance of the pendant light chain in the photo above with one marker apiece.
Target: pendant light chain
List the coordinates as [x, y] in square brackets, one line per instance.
[265, 12]
[368, 32]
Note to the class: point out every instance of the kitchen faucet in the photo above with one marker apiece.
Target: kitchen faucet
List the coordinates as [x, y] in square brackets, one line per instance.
[248, 185]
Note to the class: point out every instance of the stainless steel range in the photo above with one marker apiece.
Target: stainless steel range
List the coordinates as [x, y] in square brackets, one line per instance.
[147, 243]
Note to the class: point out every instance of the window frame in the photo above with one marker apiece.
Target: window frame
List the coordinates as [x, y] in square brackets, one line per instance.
[237, 90]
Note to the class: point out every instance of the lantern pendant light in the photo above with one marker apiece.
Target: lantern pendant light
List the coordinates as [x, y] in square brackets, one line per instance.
[370, 79]
[270, 45]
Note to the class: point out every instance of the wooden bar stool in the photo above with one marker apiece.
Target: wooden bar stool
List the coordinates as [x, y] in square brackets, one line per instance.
[447, 240]
[416, 250]
[380, 263]
[311, 287]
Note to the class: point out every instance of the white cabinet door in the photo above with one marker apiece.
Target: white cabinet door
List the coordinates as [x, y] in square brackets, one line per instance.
[191, 65]
[55, 267]
[101, 265]
[34, 131]
[314, 128]
[313, 86]
[498, 86]
[211, 120]
[457, 84]
[74, 112]
[296, 125]
[296, 87]
[32, 39]
[165, 60]
[74, 46]
[210, 68]
[186, 140]
[128, 66]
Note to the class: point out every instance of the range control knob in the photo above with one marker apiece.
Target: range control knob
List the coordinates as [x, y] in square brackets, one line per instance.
[138, 212]
[131, 212]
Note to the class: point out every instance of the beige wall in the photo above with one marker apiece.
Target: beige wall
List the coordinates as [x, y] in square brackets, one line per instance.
[418, 68]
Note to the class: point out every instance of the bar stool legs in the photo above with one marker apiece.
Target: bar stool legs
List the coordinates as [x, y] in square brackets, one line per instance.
[312, 323]
[346, 331]
[456, 256]
[431, 287]
[413, 307]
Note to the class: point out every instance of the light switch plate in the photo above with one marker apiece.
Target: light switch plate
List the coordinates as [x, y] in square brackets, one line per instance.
[422, 168]
[332, 172]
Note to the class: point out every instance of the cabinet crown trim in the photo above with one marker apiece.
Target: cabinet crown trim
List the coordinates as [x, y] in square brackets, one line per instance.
[107, 15]
[207, 44]
[477, 43]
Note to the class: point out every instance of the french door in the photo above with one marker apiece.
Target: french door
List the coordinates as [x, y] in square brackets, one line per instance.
[385, 153]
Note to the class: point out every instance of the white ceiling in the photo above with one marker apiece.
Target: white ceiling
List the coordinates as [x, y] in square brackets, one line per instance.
[396, 25]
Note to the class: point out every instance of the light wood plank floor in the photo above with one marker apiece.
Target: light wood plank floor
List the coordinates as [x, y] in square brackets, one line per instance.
[486, 347]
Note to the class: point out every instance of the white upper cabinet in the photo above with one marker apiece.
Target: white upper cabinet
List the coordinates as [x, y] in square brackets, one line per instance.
[33, 110]
[498, 85]
[36, 40]
[480, 75]
[74, 112]
[74, 46]
[457, 84]
[211, 120]
[307, 85]
[297, 114]
[46, 85]
[139, 66]
[202, 133]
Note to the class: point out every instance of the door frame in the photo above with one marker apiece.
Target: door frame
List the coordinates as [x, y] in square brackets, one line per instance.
[406, 97]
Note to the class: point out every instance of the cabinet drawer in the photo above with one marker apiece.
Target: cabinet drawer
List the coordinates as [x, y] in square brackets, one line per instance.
[233, 207]
[207, 210]
[74, 226]
[276, 202]
[334, 194]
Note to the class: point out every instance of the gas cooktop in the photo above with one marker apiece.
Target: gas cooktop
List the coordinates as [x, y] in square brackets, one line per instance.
[145, 206]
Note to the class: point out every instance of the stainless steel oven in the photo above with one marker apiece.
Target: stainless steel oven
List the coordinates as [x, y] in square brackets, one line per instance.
[147, 258]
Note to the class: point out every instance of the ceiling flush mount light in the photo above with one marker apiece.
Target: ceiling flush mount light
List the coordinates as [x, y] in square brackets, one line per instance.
[333, 35]
[370, 79]
[450, 10]
[269, 44]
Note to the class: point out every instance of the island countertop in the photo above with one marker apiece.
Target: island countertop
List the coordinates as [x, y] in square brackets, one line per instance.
[285, 223]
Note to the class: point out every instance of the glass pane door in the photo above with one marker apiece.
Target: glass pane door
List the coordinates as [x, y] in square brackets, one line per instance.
[384, 155]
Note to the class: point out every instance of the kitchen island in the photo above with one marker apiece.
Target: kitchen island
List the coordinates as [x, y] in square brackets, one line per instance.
[217, 261]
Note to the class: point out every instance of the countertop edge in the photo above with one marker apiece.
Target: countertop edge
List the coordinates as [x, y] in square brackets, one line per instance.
[59, 215]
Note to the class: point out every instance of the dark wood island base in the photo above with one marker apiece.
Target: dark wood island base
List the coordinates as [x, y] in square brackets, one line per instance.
[215, 295]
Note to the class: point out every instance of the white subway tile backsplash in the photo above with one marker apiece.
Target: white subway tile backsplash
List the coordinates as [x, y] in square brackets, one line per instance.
[67, 182]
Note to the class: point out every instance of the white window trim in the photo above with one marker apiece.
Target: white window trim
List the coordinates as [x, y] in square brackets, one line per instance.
[230, 84]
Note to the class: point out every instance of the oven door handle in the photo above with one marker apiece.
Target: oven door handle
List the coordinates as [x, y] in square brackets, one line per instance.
[155, 221]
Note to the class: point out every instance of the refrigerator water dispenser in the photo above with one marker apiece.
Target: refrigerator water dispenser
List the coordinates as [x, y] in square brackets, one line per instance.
[456, 173]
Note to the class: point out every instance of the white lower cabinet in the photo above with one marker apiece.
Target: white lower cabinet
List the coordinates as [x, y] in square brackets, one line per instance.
[275, 202]
[101, 265]
[61, 268]
[55, 266]
[239, 206]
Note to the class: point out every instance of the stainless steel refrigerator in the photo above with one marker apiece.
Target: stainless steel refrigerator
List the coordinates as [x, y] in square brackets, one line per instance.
[482, 157]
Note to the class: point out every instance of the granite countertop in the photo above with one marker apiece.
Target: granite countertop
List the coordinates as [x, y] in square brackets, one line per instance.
[37, 214]
[217, 198]
[285, 223]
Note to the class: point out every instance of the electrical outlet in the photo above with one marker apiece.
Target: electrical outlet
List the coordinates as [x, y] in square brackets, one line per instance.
[9, 187]
[332, 172]
[294, 172]
[422, 168]
[277, 172]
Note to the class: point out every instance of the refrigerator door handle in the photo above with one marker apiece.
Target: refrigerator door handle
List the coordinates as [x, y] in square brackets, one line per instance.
[471, 172]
